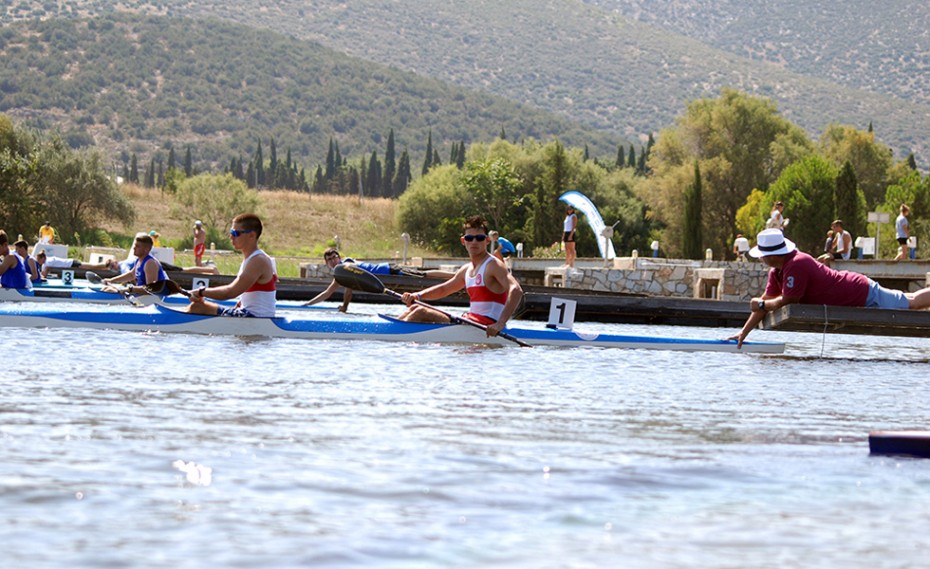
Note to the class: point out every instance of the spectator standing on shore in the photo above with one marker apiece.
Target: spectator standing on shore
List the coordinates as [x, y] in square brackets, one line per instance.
[200, 243]
[828, 244]
[777, 217]
[568, 235]
[47, 233]
[156, 242]
[902, 231]
[741, 247]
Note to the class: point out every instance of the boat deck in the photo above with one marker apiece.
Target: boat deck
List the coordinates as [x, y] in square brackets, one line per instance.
[638, 309]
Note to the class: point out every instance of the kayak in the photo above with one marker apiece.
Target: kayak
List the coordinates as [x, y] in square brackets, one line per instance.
[160, 318]
[47, 293]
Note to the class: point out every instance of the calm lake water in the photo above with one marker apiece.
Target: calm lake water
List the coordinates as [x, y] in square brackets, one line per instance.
[121, 449]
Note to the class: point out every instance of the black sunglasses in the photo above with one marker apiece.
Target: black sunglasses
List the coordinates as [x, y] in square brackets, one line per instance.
[478, 238]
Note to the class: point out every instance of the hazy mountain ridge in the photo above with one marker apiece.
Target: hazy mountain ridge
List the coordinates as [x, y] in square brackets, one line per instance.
[581, 60]
[136, 84]
[880, 47]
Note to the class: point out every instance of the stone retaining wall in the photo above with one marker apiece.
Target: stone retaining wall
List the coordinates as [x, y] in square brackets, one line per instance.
[720, 280]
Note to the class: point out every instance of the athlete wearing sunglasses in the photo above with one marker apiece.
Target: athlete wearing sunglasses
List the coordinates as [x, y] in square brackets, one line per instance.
[256, 282]
[494, 293]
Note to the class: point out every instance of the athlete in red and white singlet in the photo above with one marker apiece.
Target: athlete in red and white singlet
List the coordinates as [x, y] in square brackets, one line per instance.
[493, 291]
[254, 285]
[486, 305]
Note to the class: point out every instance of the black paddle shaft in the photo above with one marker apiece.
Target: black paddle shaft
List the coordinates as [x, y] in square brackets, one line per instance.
[357, 278]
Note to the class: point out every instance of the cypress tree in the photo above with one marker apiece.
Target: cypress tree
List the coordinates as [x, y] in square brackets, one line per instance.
[259, 165]
[330, 161]
[390, 169]
[621, 159]
[150, 174]
[460, 162]
[454, 153]
[160, 180]
[133, 169]
[428, 159]
[436, 160]
[692, 245]
[503, 135]
[273, 161]
[319, 181]
[374, 183]
[587, 154]
[912, 161]
[631, 160]
[403, 176]
[188, 163]
[171, 159]
[126, 172]
[846, 200]
[251, 176]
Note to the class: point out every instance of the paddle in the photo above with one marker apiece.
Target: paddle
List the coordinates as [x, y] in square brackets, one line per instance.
[356, 278]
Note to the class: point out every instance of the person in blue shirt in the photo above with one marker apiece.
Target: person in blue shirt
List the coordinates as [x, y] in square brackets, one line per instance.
[12, 268]
[501, 247]
[146, 270]
[332, 258]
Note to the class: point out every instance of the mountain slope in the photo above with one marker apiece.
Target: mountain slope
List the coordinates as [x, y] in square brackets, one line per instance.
[139, 84]
[580, 60]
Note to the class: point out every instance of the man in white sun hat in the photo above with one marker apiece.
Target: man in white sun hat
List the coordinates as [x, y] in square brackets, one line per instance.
[796, 277]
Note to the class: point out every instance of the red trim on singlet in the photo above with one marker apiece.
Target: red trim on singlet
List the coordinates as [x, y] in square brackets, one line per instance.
[480, 319]
[265, 287]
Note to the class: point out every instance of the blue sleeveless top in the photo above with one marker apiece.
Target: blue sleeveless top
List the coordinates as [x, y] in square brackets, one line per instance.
[15, 277]
[140, 271]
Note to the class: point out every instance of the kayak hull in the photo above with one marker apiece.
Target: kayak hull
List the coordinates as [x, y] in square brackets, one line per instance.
[163, 319]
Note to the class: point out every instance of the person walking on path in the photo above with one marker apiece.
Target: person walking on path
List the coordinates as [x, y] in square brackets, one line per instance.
[200, 243]
[741, 247]
[902, 231]
[796, 277]
[777, 217]
[568, 235]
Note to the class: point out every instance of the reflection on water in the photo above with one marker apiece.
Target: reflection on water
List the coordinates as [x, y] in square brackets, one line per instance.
[192, 450]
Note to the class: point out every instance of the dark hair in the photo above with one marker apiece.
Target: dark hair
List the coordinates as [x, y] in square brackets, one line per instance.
[837, 222]
[330, 252]
[476, 222]
[249, 221]
[145, 239]
[3, 238]
[21, 243]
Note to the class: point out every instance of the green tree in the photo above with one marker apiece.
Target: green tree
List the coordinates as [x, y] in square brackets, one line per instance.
[213, 198]
[731, 137]
[403, 177]
[806, 188]
[258, 163]
[494, 187]
[693, 245]
[870, 159]
[546, 218]
[188, 162]
[390, 169]
[849, 201]
[428, 159]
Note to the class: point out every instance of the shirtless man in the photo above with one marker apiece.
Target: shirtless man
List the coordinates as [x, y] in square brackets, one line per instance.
[256, 282]
[494, 293]
[200, 243]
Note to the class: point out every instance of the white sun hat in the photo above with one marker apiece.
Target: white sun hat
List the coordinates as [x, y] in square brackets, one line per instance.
[771, 242]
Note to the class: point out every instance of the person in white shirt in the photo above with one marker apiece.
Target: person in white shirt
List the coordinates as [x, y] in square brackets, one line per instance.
[902, 231]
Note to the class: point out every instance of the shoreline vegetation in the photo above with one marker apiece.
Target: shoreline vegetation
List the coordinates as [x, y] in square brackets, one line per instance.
[298, 228]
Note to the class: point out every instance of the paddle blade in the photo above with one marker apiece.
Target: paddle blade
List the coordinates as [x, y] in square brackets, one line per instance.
[356, 278]
[165, 288]
[93, 278]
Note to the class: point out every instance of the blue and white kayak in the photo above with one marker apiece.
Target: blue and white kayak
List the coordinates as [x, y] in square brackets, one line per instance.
[95, 295]
[164, 319]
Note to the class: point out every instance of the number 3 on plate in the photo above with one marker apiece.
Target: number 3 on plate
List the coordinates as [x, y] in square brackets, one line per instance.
[561, 313]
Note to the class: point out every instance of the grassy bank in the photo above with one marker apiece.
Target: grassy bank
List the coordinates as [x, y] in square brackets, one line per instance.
[296, 225]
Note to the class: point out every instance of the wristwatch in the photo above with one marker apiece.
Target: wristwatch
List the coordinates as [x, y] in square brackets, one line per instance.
[762, 305]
